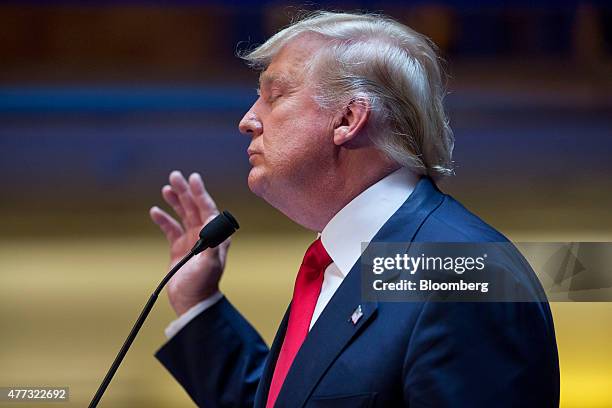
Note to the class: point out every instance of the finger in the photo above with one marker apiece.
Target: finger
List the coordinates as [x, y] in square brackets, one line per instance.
[181, 188]
[173, 201]
[206, 205]
[169, 226]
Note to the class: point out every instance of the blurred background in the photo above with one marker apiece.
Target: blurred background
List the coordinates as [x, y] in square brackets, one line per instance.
[99, 101]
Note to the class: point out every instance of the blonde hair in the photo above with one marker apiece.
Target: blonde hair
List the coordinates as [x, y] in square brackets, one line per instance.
[393, 67]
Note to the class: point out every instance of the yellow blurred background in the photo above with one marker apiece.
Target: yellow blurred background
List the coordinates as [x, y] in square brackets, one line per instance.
[69, 303]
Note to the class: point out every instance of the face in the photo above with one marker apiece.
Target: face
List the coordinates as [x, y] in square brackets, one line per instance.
[291, 136]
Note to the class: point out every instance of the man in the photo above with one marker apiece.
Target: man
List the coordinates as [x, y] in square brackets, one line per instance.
[348, 136]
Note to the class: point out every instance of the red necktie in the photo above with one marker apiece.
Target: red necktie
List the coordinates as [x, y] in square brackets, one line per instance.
[305, 294]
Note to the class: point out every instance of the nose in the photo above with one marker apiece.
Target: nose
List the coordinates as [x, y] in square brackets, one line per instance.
[250, 125]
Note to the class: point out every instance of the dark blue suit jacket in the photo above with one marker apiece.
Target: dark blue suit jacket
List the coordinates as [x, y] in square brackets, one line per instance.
[414, 354]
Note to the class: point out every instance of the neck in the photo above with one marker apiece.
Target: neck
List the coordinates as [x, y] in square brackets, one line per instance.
[320, 199]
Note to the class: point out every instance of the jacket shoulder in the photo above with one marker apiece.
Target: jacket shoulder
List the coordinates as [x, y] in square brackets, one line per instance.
[452, 222]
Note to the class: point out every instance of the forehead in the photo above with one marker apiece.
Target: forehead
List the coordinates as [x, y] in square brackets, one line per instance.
[289, 64]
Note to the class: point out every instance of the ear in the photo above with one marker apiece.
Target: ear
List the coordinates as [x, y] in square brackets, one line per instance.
[353, 120]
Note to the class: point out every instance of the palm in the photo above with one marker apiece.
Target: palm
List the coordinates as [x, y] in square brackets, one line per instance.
[198, 278]
[192, 275]
[181, 246]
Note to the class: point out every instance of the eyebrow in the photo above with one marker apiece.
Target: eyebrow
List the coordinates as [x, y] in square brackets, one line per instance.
[266, 79]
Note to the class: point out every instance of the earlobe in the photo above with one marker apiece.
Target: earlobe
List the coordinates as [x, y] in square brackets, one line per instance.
[341, 135]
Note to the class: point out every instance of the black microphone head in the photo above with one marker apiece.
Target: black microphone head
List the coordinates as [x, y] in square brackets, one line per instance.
[231, 219]
[218, 230]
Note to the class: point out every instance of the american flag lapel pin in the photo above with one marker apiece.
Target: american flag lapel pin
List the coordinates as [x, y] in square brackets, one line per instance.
[356, 315]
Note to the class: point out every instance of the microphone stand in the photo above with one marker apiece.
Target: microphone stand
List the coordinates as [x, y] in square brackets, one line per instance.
[215, 232]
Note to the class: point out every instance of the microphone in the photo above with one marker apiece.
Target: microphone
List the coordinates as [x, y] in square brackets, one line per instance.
[215, 232]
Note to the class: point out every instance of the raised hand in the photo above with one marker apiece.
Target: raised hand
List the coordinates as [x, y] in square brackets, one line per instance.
[199, 278]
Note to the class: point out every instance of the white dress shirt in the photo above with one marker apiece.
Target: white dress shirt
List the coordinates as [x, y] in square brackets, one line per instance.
[357, 222]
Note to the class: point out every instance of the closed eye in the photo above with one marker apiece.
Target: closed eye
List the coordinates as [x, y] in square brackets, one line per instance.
[274, 97]
[271, 97]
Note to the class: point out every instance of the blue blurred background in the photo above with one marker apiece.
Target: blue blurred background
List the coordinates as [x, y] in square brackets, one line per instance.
[99, 101]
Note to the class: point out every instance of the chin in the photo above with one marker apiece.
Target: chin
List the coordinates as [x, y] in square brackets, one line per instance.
[256, 182]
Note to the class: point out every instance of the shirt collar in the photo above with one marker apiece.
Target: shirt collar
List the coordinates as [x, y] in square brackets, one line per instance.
[361, 218]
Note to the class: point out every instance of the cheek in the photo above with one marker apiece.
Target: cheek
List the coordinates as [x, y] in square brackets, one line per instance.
[300, 130]
[295, 135]
[295, 145]
[282, 140]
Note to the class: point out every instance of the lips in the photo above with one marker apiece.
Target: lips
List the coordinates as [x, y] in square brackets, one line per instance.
[251, 151]
[252, 155]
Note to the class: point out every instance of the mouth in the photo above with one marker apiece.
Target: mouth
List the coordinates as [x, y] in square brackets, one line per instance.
[252, 152]
[252, 155]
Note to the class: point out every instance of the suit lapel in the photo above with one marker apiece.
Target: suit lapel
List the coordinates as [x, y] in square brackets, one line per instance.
[261, 396]
[334, 329]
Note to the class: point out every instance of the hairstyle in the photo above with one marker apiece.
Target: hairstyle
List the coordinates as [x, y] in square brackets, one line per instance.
[394, 68]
